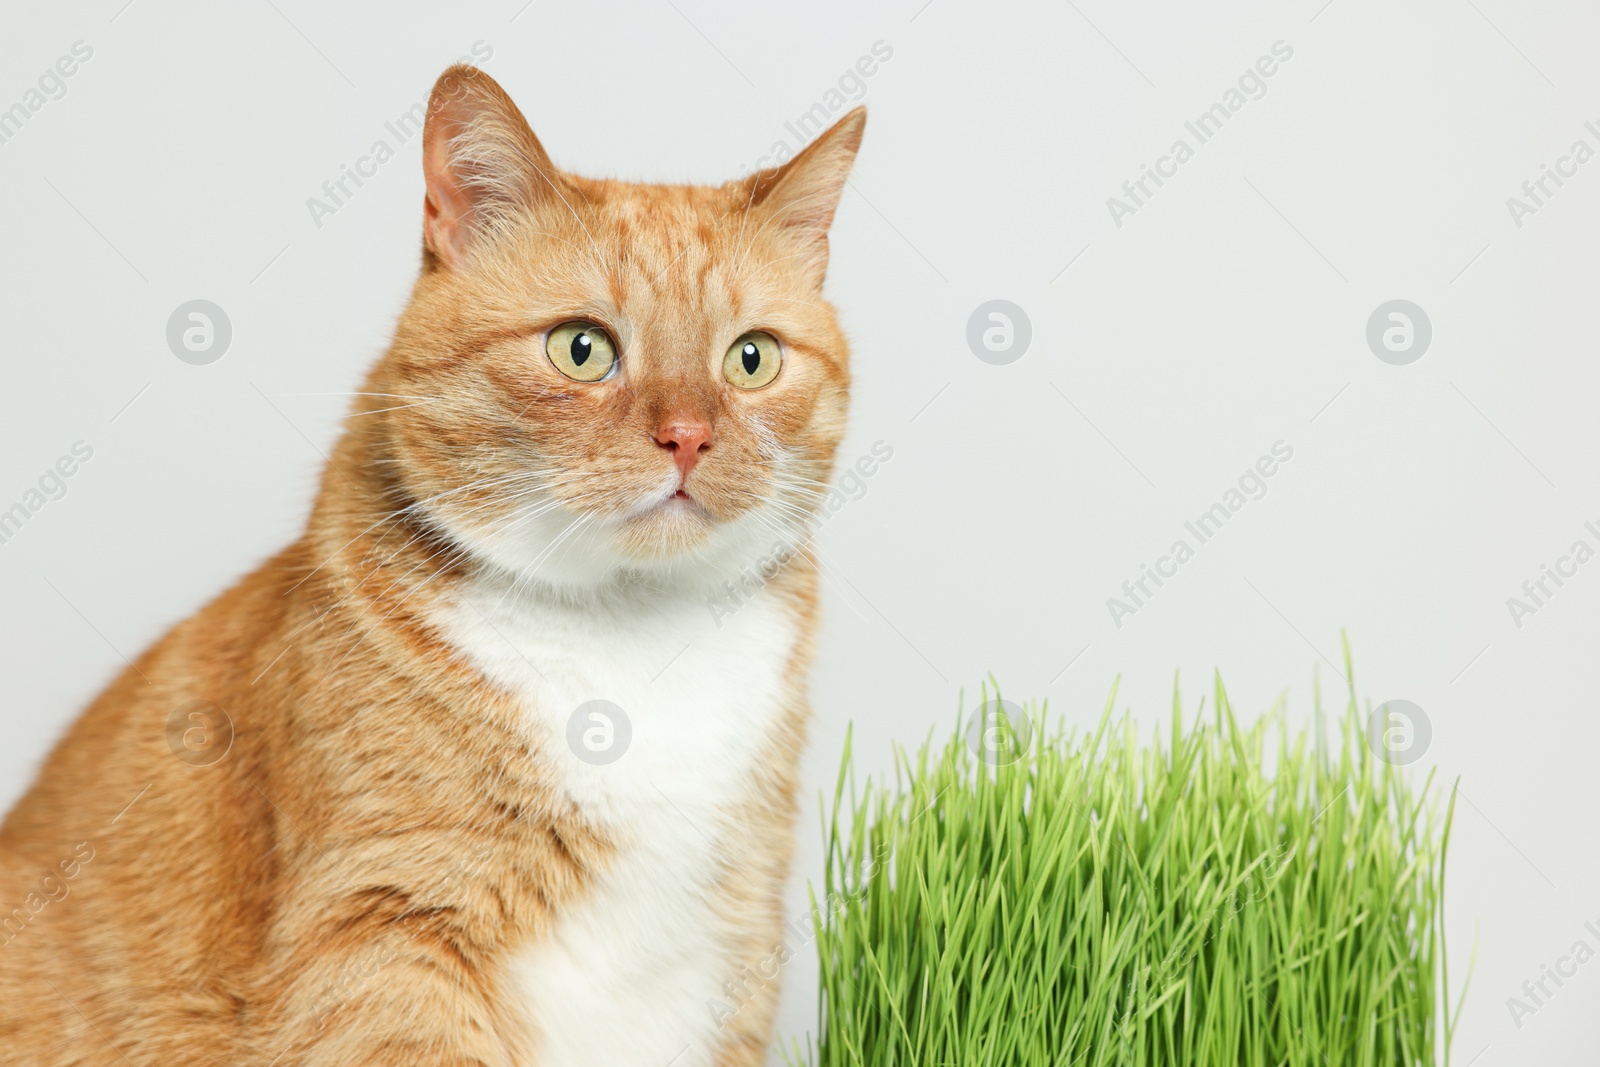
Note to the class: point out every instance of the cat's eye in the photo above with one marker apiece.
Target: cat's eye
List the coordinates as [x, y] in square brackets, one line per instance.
[752, 361]
[582, 351]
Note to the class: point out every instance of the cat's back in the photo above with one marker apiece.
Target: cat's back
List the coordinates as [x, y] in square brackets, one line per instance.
[122, 901]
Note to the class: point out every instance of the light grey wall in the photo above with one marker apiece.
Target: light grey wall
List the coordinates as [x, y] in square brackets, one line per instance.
[1226, 313]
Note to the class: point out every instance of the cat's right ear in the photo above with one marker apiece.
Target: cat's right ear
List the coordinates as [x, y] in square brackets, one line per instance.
[801, 196]
[481, 162]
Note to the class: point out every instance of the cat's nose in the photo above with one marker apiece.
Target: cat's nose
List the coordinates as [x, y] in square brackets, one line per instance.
[685, 439]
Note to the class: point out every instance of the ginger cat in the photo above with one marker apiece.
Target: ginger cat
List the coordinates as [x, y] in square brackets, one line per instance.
[363, 808]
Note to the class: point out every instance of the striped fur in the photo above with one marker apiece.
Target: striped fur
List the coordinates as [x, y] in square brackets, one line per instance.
[396, 838]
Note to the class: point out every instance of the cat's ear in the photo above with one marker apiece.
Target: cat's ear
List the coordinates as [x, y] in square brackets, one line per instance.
[480, 160]
[801, 195]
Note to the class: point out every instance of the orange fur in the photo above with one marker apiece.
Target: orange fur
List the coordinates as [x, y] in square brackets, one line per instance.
[345, 885]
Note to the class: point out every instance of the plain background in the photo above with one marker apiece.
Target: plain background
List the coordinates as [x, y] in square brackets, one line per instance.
[1168, 353]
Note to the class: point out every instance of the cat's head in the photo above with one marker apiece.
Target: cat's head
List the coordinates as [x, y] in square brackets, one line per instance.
[598, 378]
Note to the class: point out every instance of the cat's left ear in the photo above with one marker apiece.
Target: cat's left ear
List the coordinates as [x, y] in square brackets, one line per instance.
[481, 163]
[802, 195]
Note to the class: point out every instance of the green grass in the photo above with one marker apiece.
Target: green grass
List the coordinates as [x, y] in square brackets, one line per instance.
[1226, 895]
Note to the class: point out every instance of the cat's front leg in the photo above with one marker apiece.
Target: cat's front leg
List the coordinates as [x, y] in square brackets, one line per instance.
[399, 993]
[752, 902]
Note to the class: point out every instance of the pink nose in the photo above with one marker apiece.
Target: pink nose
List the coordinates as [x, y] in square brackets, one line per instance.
[685, 439]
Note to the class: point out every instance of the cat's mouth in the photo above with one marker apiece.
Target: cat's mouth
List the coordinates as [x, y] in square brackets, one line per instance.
[669, 523]
[674, 502]
[683, 502]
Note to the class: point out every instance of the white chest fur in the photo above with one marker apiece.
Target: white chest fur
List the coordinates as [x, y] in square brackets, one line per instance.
[627, 973]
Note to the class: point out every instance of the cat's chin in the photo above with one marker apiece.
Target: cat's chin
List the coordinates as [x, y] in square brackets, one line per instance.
[674, 543]
[676, 527]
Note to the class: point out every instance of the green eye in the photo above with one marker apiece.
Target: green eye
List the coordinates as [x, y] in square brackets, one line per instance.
[752, 361]
[582, 351]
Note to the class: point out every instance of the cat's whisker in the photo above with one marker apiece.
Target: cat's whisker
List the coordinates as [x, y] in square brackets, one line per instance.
[533, 566]
[662, 273]
[527, 575]
[379, 567]
[394, 396]
[400, 785]
[744, 221]
[556, 189]
[396, 407]
[808, 550]
[589, 525]
[768, 264]
[391, 516]
[419, 511]
[774, 217]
